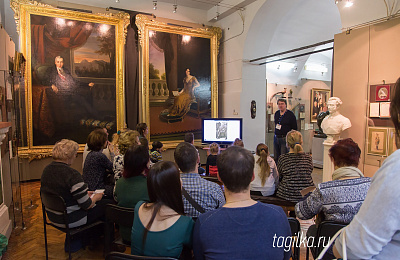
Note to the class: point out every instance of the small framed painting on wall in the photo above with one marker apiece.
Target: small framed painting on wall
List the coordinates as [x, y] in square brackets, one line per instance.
[377, 138]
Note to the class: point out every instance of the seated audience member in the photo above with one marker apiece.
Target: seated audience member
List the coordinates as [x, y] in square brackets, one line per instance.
[143, 132]
[59, 178]
[340, 199]
[189, 138]
[97, 166]
[115, 139]
[294, 169]
[108, 151]
[242, 228]
[126, 140]
[132, 187]
[374, 233]
[212, 160]
[208, 195]
[155, 153]
[266, 177]
[160, 227]
[238, 142]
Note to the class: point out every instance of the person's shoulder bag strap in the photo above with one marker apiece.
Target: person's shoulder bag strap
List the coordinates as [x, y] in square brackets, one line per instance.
[192, 201]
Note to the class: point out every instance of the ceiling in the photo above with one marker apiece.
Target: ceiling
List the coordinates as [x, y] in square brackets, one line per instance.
[197, 4]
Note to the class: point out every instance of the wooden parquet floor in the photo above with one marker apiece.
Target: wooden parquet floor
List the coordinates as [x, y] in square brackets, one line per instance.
[28, 244]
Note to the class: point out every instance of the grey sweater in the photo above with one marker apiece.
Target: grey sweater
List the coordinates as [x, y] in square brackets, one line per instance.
[374, 232]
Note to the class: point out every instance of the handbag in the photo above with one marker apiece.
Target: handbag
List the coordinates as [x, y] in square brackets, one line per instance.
[344, 251]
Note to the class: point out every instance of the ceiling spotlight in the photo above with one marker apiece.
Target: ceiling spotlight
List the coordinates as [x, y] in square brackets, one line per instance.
[337, 1]
[348, 3]
[295, 69]
[175, 7]
[155, 5]
[216, 17]
[117, 1]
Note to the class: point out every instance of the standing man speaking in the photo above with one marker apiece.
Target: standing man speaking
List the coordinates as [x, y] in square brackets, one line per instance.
[284, 122]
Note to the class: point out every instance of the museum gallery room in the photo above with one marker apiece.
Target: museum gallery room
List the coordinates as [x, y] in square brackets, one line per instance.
[199, 129]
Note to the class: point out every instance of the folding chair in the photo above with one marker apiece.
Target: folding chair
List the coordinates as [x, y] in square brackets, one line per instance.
[120, 216]
[326, 230]
[56, 204]
[295, 228]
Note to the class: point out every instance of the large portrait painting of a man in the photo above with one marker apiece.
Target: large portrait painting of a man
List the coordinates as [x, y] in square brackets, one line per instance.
[73, 80]
[73, 69]
[182, 87]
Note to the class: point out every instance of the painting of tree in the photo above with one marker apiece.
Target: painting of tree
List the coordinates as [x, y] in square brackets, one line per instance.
[107, 47]
[153, 73]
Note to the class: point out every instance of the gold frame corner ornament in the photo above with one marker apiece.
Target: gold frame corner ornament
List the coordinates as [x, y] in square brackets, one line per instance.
[145, 23]
[22, 11]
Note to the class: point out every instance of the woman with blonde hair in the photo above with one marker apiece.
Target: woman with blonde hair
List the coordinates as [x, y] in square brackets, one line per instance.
[115, 138]
[294, 169]
[266, 177]
[126, 140]
[61, 179]
[211, 165]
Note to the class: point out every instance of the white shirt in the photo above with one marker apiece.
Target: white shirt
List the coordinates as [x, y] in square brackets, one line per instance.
[269, 186]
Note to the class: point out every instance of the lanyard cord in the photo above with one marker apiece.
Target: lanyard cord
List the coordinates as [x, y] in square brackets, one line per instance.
[280, 117]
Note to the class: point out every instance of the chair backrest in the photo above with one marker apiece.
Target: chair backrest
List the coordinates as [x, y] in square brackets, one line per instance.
[294, 226]
[122, 256]
[295, 229]
[326, 230]
[53, 202]
[119, 215]
[329, 228]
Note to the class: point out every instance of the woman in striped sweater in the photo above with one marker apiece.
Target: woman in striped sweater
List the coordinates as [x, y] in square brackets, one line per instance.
[294, 169]
[59, 178]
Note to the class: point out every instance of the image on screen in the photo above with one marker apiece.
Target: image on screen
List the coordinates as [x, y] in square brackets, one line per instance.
[221, 130]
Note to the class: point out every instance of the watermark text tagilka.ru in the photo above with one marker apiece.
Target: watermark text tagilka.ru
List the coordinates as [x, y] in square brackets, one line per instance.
[300, 239]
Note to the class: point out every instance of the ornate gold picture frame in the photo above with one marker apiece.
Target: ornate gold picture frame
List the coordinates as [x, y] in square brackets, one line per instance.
[318, 101]
[178, 77]
[74, 73]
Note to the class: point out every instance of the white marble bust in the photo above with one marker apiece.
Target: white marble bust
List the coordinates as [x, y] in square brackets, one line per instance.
[334, 123]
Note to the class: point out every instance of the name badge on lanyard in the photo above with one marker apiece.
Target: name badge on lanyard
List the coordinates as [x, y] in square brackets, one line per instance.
[278, 125]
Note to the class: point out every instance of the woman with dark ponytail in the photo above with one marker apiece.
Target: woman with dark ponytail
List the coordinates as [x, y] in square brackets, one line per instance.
[294, 169]
[266, 177]
[160, 227]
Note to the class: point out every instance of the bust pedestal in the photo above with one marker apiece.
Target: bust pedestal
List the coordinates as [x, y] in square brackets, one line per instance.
[5, 222]
[328, 165]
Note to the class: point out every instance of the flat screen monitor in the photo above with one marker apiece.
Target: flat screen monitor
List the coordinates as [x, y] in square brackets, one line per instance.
[221, 130]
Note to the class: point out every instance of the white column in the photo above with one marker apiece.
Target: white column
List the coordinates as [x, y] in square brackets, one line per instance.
[328, 165]
[5, 222]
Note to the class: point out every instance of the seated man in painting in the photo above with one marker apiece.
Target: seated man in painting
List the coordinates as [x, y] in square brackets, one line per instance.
[66, 89]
